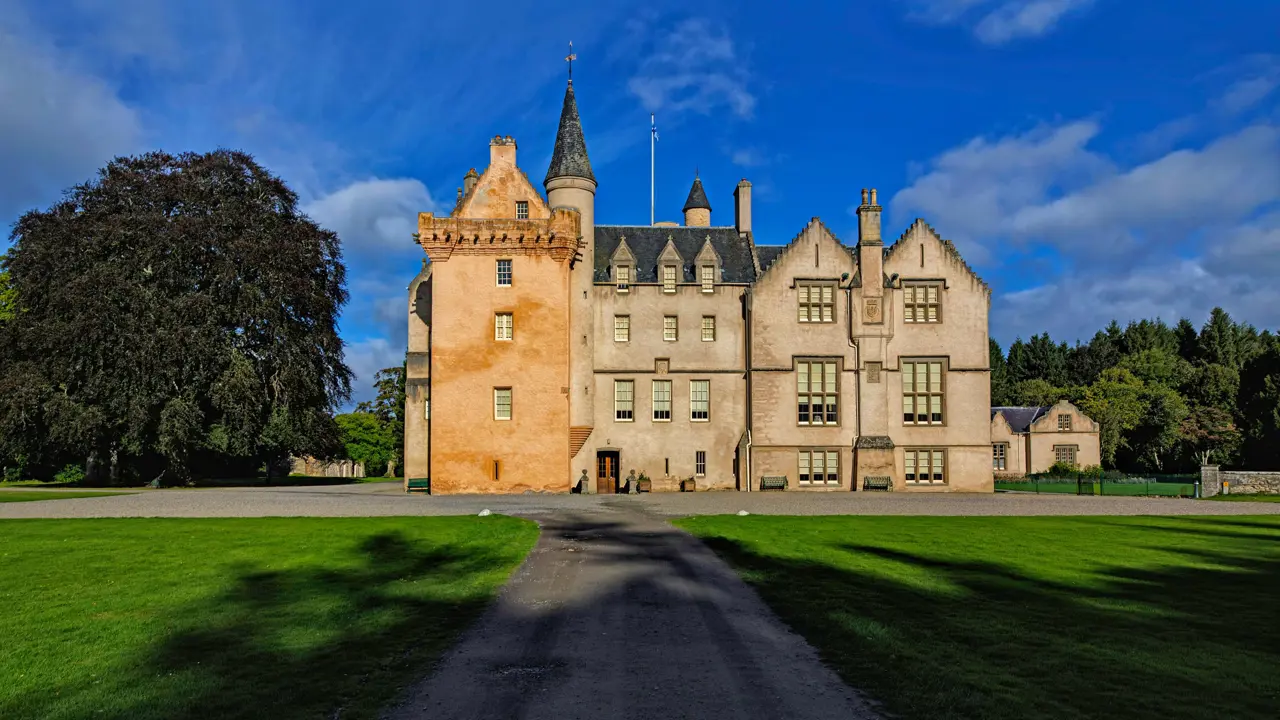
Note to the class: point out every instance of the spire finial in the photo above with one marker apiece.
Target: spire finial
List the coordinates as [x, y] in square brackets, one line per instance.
[569, 59]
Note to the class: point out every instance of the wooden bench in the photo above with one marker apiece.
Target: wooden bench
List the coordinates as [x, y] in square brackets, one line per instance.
[423, 484]
[773, 482]
[877, 482]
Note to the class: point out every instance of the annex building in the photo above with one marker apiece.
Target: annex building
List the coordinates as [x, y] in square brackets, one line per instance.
[550, 350]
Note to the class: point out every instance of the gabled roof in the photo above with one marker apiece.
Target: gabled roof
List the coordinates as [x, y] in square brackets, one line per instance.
[569, 159]
[647, 242]
[697, 197]
[1020, 418]
[948, 247]
[768, 254]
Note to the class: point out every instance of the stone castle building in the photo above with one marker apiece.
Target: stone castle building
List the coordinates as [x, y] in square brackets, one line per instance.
[549, 351]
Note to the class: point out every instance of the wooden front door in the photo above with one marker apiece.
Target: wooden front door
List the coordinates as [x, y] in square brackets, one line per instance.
[606, 472]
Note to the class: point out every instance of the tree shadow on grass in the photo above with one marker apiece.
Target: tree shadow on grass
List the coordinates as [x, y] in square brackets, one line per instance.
[977, 639]
[301, 642]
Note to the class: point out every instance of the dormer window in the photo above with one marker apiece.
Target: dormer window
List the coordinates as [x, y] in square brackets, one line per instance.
[522, 209]
[708, 278]
[624, 278]
[668, 278]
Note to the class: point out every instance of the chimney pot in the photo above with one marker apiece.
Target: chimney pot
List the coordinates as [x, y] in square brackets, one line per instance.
[873, 197]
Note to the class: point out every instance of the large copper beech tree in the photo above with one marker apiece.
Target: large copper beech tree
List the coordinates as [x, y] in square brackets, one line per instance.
[176, 317]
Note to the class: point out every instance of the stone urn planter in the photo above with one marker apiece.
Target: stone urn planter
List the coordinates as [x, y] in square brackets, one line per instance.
[644, 485]
[688, 485]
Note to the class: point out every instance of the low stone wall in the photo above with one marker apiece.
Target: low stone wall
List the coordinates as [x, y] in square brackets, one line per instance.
[311, 467]
[1238, 482]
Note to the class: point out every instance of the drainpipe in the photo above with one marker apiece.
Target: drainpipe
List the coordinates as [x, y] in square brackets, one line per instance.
[857, 385]
[746, 314]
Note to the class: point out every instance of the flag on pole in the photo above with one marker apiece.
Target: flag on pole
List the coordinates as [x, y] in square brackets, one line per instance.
[653, 126]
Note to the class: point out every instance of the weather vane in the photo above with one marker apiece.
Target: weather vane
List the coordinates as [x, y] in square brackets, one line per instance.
[569, 59]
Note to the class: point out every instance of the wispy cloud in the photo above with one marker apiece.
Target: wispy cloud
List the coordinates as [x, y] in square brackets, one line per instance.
[996, 22]
[696, 67]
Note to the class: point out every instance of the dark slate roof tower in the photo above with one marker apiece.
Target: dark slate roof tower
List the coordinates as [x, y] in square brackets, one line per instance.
[697, 197]
[570, 156]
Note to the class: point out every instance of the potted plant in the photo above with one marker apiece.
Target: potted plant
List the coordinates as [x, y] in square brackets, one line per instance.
[643, 483]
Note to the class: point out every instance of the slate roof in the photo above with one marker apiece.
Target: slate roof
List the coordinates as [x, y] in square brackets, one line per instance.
[569, 159]
[767, 254]
[697, 197]
[647, 242]
[1020, 418]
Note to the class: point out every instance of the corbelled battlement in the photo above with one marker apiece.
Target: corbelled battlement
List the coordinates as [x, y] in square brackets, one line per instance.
[556, 236]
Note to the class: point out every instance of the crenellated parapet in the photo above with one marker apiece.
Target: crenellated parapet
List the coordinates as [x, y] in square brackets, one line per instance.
[557, 236]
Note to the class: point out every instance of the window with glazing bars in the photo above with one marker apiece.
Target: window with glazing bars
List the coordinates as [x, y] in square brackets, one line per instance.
[699, 399]
[670, 328]
[921, 302]
[817, 302]
[708, 328]
[502, 403]
[1064, 454]
[522, 209]
[922, 392]
[819, 467]
[621, 328]
[668, 278]
[1064, 422]
[925, 467]
[624, 278]
[999, 456]
[502, 326]
[504, 273]
[662, 400]
[817, 393]
[700, 462]
[708, 278]
[624, 394]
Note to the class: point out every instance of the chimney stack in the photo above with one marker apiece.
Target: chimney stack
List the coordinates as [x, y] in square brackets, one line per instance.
[469, 181]
[870, 250]
[869, 219]
[742, 206]
[502, 150]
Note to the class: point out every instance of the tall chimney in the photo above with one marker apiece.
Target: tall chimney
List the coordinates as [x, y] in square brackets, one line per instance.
[469, 181]
[870, 247]
[742, 206]
[869, 219]
[502, 150]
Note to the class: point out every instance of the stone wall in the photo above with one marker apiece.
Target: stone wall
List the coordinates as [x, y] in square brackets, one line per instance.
[311, 467]
[1239, 482]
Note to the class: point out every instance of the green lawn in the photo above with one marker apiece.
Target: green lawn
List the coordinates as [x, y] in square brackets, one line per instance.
[1161, 489]
[1247, 498]
[1052, 617]
[237, 618]
[30, 495]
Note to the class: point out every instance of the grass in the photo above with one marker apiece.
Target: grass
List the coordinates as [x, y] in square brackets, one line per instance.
[31, 495]
[237, 618]
[1246, 498]
[1062, 617]
[1161, 489]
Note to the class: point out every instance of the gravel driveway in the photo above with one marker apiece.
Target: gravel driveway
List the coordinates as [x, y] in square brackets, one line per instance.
[373, 499]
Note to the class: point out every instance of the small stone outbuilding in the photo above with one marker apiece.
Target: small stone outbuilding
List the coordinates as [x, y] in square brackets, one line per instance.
[1028, 440]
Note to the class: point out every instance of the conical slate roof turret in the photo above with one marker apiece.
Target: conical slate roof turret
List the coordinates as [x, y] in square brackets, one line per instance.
[697, 196]
[570, 156]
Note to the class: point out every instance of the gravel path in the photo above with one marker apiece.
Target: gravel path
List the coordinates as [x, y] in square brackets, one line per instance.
[373, 499]
[620, 615]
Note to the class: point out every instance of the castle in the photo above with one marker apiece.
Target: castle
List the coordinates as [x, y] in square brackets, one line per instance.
[550, 352]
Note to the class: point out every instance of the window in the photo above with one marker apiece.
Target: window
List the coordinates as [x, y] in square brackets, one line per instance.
[621, 328]
[708, 278]
[819, 467]
[668, 278]
[700, 462]
[1064, 422]
[497, 470]
[699, 399]
[708, 328]
[1064, 454]
[817, 302]
[662, 400]
[920, 302]
[426, 409]
[502, 326]
[817, 393]
[922, 393]
[670, 328]
[624, 394]
[624, 278]
[522, 209]
[999, 456]
[925, 467]
[504, 273]
[502, 403]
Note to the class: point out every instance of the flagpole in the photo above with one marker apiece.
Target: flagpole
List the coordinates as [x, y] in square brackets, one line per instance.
[653, 135]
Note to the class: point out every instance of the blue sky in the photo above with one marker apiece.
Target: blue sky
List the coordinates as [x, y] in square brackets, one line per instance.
[1090, 158]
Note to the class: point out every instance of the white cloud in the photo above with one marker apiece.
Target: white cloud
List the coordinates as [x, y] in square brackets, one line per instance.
[366, 358]
[695, 67]
[374, 215]
[748, 157]
[996, 22]
[58, 122]
[1260, 81]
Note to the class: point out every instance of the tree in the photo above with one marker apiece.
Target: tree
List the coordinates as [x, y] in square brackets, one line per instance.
[1159, 426]
[1213, 385]
[1037, 392]
[1157, 366]
[1148, 335]
[1209, 434]
[1086, 362]
[388, 408]
[1038, 358]
[1219, 340]
[1259, 410]
[1001, 386]
[179, 315]
[366, 439]
[8, 296]
[1188, 340]
[1115, 402]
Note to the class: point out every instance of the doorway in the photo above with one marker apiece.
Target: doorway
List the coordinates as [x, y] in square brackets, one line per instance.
[607, 465]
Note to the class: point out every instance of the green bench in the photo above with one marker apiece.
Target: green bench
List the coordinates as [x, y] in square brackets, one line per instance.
[877, 482]
[423, 484]
[773, 482]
